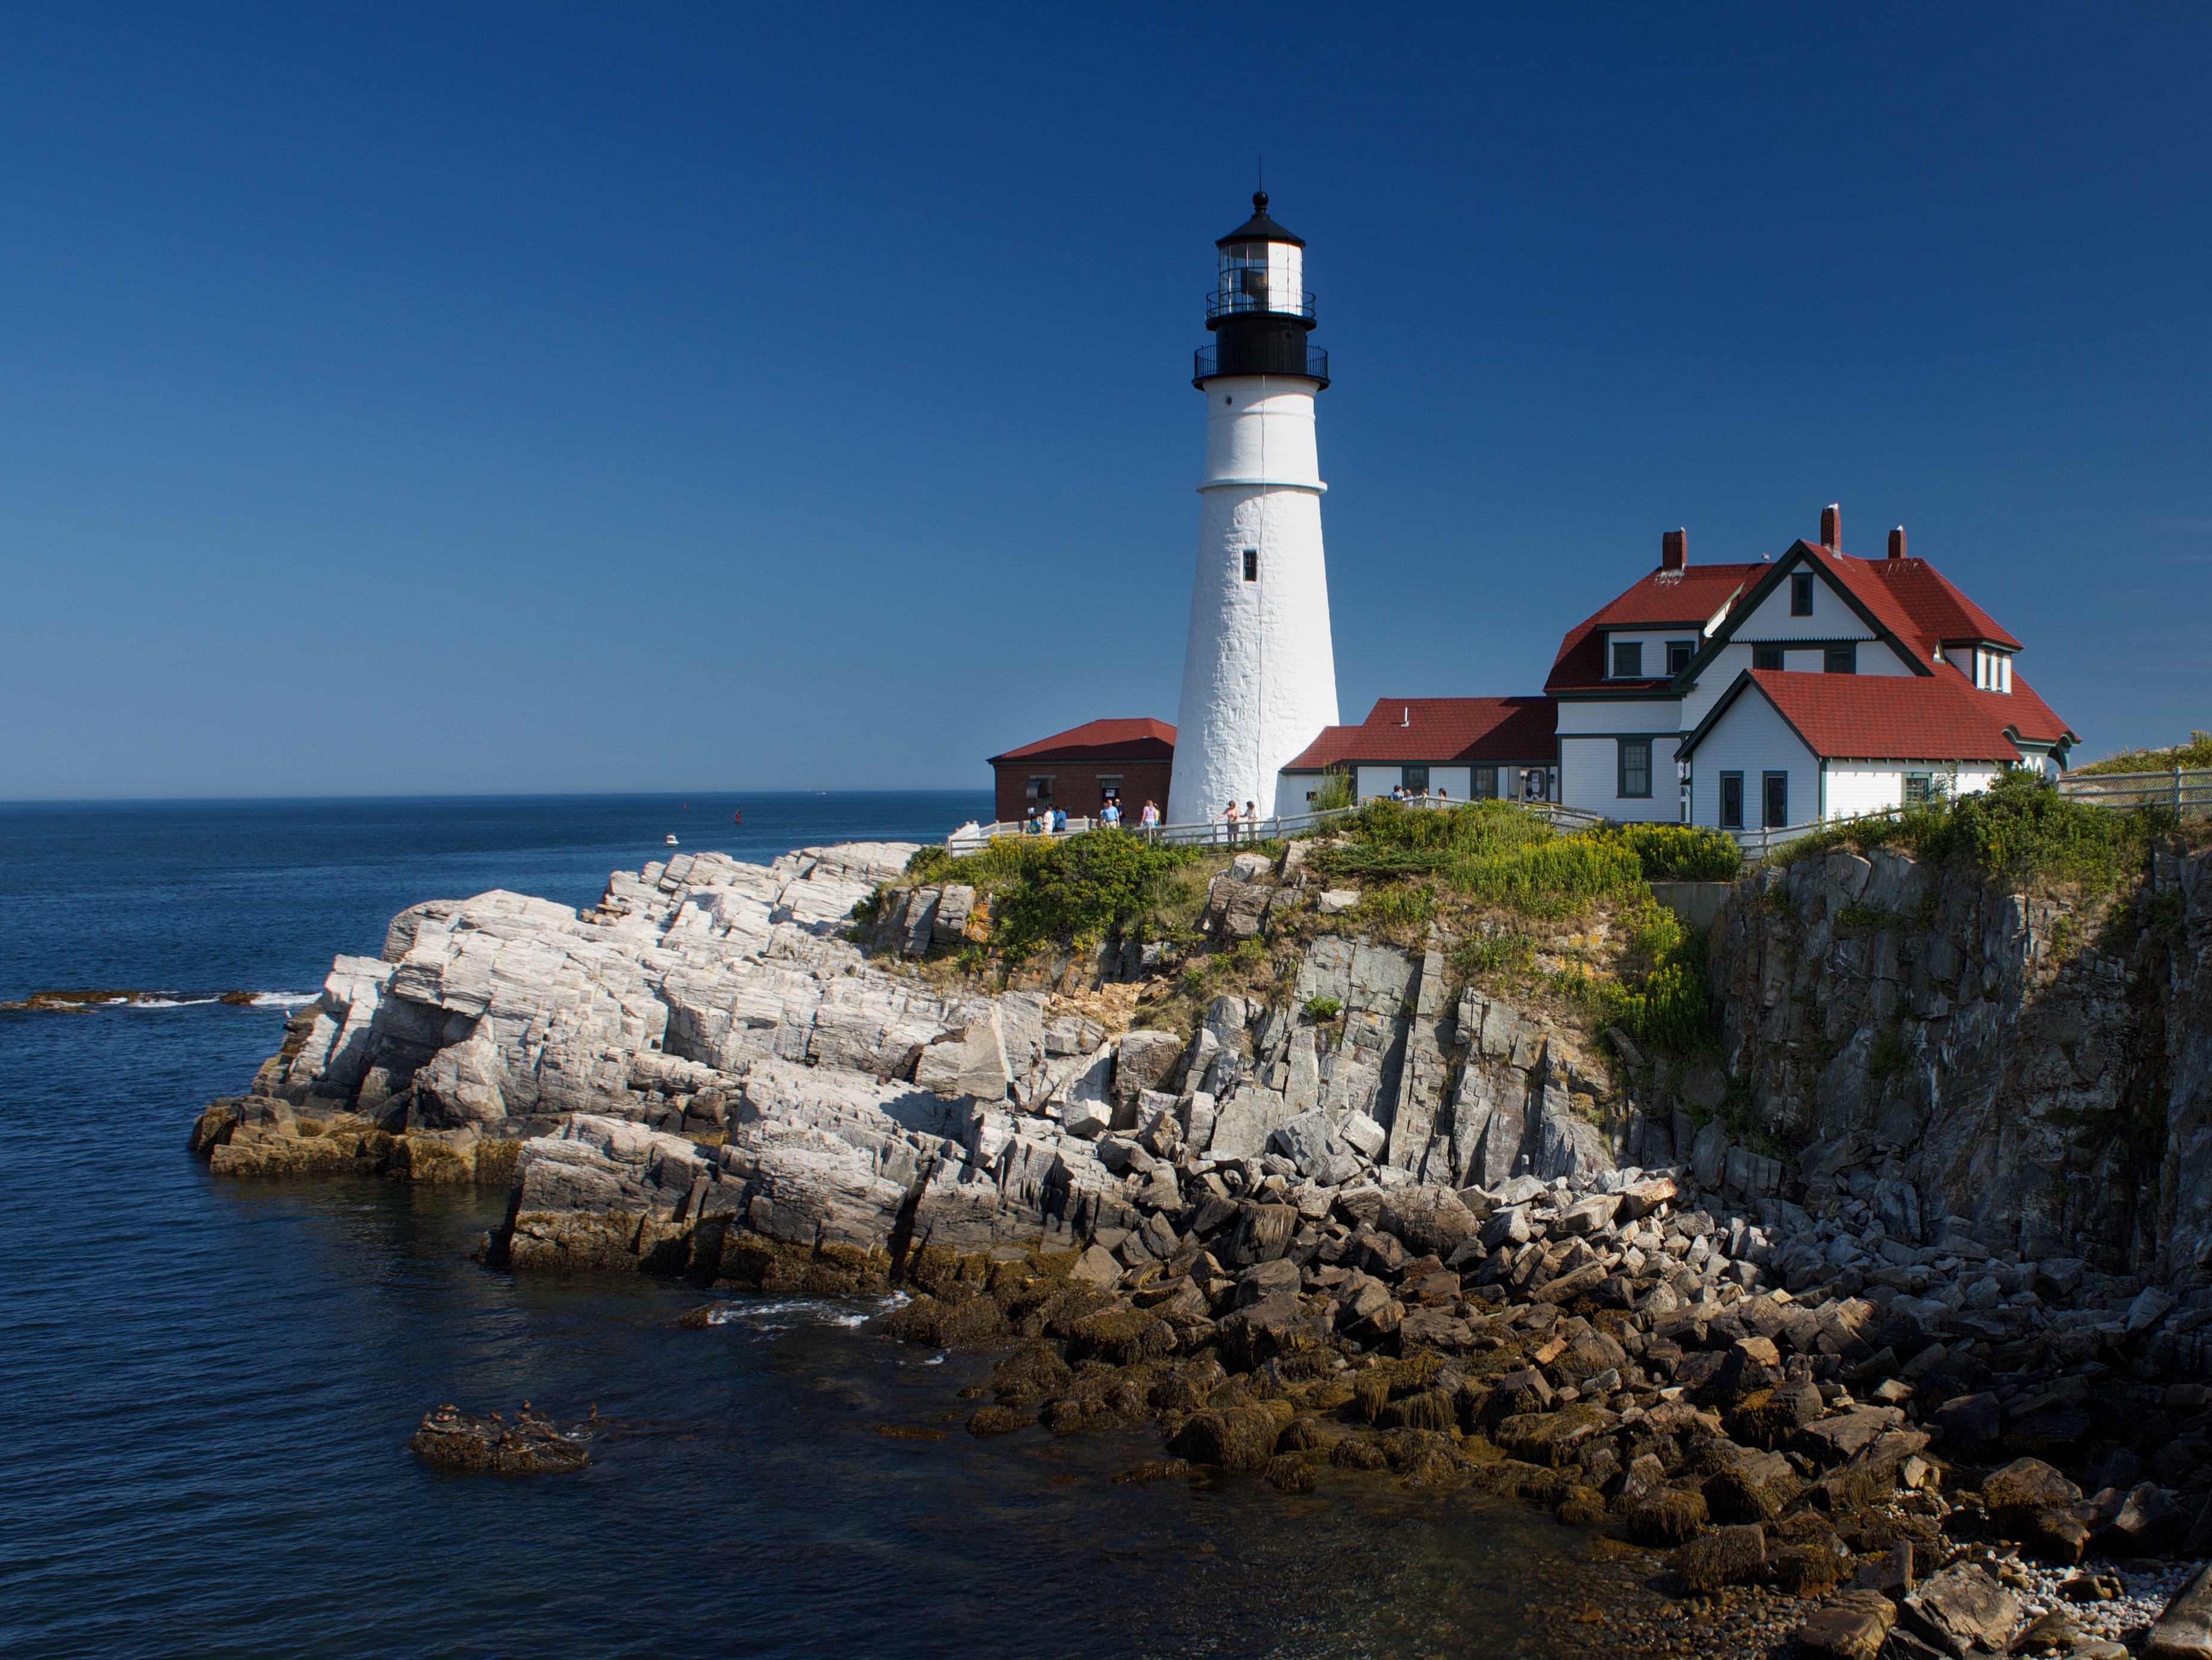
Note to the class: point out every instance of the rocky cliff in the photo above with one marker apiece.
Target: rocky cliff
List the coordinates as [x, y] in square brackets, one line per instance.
[1929, 1045]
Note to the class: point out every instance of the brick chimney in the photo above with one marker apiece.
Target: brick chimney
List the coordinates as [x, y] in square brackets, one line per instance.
[1897, 543]
[1674, 550]
[1831, 528]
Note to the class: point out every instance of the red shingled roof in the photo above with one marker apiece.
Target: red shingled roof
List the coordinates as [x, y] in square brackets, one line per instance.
[1101, 740]
[1909, 597]
[1687, 599]
[1941, 610]
[1440, 731]
[1894, 717]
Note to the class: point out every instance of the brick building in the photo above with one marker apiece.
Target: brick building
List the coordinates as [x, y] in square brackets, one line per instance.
[1078, 770]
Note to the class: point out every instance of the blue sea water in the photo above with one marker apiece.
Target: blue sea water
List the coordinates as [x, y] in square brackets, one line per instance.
[209, 1384]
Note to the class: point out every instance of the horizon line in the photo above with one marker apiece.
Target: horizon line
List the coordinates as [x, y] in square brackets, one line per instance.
[491, 796]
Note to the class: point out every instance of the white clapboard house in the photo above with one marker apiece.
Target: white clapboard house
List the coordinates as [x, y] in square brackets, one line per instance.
[1813, 685]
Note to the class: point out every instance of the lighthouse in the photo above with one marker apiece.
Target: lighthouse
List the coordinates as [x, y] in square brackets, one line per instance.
[1259, 672]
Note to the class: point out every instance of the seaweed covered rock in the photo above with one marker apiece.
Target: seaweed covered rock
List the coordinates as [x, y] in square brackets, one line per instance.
[1666, 1516]
[451, 1439]
[1233, 1437]
[1121, 1337]
[1725, 1556]
[976, 1323]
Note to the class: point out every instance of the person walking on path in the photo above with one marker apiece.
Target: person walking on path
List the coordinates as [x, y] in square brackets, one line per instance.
[1060, 821]
[1149, 818]
[1110, 814]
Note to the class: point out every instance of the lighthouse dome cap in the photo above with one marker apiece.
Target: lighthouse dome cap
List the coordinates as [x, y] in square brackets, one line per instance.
[1259, 228]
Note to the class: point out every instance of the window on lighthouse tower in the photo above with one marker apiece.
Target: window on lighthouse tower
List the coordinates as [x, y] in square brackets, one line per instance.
[1251, 564]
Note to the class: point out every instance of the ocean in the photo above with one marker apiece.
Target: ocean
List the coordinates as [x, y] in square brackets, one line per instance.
[211, 1385]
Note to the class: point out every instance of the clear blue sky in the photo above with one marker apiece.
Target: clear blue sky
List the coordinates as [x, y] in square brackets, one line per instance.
[536, 398]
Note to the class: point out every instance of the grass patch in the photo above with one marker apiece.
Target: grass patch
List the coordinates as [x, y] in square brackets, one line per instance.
[1487, 853]
[2195, 754]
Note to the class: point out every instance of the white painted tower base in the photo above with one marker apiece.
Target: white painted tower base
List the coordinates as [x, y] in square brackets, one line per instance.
[1258, 674]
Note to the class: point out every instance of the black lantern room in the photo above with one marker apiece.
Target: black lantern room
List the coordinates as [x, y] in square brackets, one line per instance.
[1261, 312]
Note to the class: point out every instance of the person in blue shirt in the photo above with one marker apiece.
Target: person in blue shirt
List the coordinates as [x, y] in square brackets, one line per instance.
[1060, 821]
[1110, 814]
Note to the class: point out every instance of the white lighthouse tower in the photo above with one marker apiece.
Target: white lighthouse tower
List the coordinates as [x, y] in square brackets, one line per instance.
[1259, 675]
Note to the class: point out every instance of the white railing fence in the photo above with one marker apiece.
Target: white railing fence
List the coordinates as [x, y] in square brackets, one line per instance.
[2189, 793]
[1219, 833]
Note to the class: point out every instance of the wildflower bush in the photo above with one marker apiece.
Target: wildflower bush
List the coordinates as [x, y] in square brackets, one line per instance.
[1681, 853]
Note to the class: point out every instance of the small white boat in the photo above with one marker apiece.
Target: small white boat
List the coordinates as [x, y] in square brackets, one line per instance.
[670, 840]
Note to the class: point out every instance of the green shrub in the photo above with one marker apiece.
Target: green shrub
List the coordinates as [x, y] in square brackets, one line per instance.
[1320, 1009]
[1078, 890]
[2020, 827]
[1083, 889]
[1338, 789]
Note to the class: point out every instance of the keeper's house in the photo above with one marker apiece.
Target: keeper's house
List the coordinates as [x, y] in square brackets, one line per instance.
[1815, 685]
[1128, 762]
[1469, 749]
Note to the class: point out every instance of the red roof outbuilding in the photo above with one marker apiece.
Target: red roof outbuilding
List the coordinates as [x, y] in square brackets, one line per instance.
[1101, 740]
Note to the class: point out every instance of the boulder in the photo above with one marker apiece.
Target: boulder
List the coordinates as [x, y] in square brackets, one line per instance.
[1852, 1627]
[1962, 1609]
[2015, 1495]
[1428, 1219]
[1969, 1421]
[2184, 1629]
[1142, 1061]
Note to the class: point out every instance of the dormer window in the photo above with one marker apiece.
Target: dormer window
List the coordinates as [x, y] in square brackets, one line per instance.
[1628, 659]
[1679, 653]
[1993, 670]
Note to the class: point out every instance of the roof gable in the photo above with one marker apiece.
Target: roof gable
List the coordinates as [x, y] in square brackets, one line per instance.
[1882, 717]
[1689, 596]
[1439, 732]
[1874, 605]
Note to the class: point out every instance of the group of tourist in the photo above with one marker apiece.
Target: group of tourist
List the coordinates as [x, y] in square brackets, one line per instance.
[1399, 793]
[1053, 821]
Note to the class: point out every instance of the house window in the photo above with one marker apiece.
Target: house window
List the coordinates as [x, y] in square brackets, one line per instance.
[1110, 786]
[1485, 783]
[1635, 768]
[1628, 659]
[1843, 660]
[1040, 789]
[1916, 789]
[1801, 593]
[1777, 800]
[1731, 800]
[1679, 653]
[1415, 779]
[1251, 564]
[1766, 657]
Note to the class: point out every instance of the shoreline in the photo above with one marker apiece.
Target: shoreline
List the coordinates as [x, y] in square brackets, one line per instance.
[1228, 1234]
